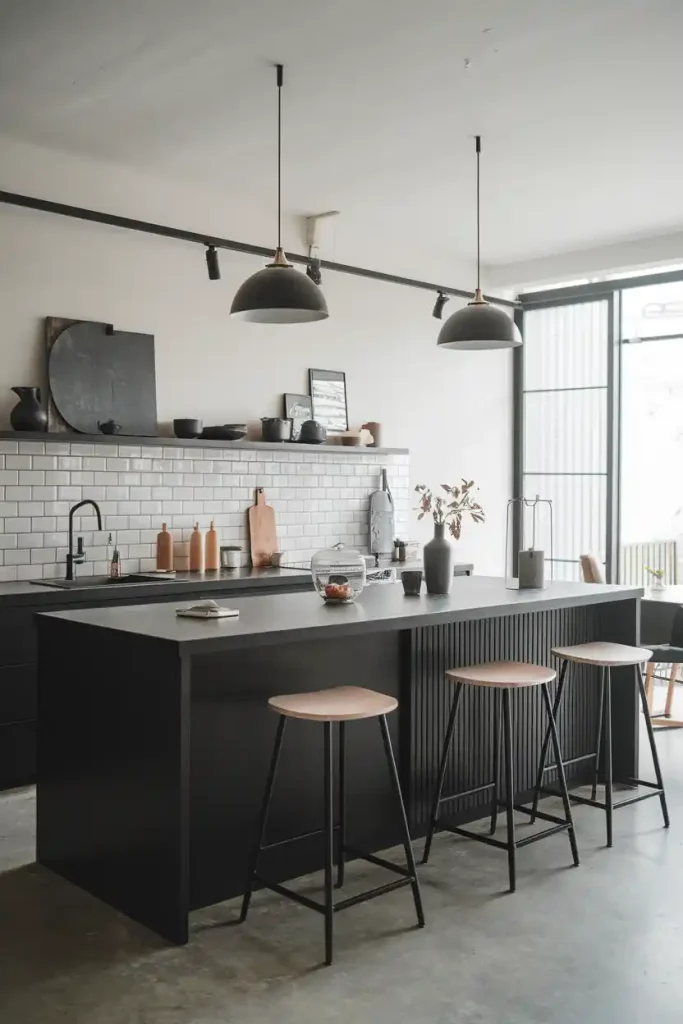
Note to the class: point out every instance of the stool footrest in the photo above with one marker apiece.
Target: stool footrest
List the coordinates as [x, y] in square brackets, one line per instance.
[370, 894]
[528, 840]
[295, 839]
[541, 814]
[570, 760]
[637, 799]
[380, 862]
[654, 790]
[350, 901]
[479, 836]
[282, 890]
[467, 792]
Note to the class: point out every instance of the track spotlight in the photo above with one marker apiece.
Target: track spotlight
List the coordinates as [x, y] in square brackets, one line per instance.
[313, 269]
[212, 263]
[441, 301]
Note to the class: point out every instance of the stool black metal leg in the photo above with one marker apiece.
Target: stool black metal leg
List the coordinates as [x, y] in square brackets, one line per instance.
[497, 711]
[562, 779]
[598, 738]
[546, 741]
[263, 817]
[509, 789]
[329, 842]
[443, 765]
[341, 833]
[609, 803]
[407, 842]
[653, 745]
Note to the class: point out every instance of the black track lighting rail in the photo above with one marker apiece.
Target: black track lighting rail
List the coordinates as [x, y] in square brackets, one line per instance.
[215, 241]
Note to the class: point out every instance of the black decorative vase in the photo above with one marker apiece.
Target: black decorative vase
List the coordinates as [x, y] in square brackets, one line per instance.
[28, 413]
[439, 562]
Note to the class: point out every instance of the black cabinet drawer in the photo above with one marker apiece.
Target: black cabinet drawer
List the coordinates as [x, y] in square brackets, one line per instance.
[18, 640]
[18, 693]
[17, 755]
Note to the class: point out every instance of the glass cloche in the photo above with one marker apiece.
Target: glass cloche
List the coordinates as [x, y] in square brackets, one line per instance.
[338, 574]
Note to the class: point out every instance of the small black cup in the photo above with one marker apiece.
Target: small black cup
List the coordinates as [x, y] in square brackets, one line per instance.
[412, 582]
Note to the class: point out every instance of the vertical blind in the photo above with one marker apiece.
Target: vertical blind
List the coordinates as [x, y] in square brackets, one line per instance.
[565, 396]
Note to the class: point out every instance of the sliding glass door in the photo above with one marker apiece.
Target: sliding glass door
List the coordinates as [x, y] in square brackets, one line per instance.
[567, 436]
[599, 423]
[652, 432]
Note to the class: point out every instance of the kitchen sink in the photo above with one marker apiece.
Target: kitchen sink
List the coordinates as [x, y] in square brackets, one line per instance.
[91, 582]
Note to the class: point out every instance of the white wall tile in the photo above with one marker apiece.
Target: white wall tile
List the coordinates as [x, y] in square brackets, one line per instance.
[318, 497]
[43, 555]
[19, 556]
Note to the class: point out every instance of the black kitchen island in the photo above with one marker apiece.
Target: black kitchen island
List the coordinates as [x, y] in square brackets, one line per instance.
[154, 735]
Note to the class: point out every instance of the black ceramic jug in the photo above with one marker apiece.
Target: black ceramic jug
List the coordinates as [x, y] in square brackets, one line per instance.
[28, 413]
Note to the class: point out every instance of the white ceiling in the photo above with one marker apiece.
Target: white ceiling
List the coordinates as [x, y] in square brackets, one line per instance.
[578, 103]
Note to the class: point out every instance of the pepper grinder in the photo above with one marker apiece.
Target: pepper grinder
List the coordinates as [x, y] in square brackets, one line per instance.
[164, 549]
[196, 550]
[211, 554]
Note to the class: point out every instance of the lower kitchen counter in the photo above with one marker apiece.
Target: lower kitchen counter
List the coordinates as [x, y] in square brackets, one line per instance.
[19, 603]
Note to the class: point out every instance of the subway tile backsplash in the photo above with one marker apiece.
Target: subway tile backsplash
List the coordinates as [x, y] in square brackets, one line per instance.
[320, 497]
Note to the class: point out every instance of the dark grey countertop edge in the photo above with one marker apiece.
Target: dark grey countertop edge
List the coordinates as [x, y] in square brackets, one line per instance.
[427, 613]
[30, 595]
[187, 442]
[432, 618]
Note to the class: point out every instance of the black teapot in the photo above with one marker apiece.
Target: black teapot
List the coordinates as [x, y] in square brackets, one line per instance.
[312, 432]
[109, 427]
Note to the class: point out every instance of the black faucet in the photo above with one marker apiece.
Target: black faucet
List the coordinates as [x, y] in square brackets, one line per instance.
[76, 559]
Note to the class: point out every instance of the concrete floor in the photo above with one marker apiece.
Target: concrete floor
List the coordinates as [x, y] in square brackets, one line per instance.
[601, 943]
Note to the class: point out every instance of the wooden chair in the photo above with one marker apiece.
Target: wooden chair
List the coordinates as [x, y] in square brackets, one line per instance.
[591, 569]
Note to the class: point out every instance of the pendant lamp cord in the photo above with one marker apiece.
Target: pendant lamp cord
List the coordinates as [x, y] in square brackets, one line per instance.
[279, 155]
[478, 145]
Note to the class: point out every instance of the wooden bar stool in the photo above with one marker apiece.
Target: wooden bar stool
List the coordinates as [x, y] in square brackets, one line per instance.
[339, 704]
[606, 656]
[506, 677]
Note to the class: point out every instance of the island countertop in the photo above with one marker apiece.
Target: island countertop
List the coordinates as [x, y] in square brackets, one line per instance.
[154, 731]
[271, 619]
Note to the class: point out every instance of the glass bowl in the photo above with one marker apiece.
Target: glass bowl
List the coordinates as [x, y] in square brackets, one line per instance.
[338, 574]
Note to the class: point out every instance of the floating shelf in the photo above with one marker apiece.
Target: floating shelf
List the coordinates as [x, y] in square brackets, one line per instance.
[179, 442]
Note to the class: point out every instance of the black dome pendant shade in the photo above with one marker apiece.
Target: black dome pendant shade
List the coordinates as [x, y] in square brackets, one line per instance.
[479, 325]
[279, 294]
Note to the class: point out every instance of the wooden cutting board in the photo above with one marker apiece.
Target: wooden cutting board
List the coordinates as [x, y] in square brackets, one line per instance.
[262, 530]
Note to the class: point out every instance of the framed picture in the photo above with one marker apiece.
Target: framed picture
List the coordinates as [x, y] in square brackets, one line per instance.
[299, 409]
[328, 396]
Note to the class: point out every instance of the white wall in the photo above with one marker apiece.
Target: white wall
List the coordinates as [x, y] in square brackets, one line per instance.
[453, 411]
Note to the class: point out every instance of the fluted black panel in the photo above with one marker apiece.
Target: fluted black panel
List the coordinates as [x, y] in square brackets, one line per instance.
[517, 637]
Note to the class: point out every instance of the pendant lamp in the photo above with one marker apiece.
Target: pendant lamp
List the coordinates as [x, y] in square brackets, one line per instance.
[279, 294]
[479, 324]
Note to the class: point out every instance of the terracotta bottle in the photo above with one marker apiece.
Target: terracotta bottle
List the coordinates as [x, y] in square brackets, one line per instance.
[196, 550]
[211, 555]
[164, 549]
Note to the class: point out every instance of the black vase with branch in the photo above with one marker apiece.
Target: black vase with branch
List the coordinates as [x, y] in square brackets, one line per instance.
[448, 513]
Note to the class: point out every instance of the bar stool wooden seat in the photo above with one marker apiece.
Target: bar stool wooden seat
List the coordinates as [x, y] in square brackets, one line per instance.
[505, 677]
[605, 656]
[339, 704]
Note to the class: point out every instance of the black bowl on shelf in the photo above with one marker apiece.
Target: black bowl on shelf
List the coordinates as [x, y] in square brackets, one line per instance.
[187, 429]
[228, 432]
